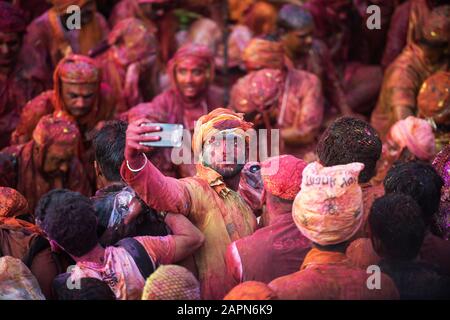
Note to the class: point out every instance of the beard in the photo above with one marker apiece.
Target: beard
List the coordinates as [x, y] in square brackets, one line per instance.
[225, 170]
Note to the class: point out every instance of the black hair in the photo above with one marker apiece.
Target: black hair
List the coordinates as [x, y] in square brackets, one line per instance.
[90, 289]
[109, 147]
[293, 17]
[419, 180]
[349, 140]
[68, 218]
[395, 220]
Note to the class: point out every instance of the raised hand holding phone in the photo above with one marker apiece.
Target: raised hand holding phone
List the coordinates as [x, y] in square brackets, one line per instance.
[137, 133]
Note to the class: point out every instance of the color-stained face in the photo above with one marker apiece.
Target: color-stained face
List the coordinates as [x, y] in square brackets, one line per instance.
[10, 44]
[191, 78]
[79, 99]
[225, 154]
[58, 158]
[298, 41]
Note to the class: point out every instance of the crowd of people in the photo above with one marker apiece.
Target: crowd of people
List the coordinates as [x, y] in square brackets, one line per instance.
[91, 208]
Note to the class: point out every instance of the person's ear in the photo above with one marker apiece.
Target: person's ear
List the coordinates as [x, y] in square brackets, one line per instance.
[98, 170]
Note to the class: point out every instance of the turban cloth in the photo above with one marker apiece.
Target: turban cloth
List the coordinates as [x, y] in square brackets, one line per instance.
[17, 282]
[434, 95]
[171, 282]
[201, 56]
[206, 127]
[261, 18]
[51, 130]
[437, 26]
[329, 207]
[282, 176]
[205, 32]
[61, 5]
[416, 135]
[13, 204]
[257, 91]
[260, 54]
[134, 35]
[11, 18]
[251, 290]
[76, 69]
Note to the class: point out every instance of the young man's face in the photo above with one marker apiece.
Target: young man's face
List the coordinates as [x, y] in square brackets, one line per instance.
[192, 80]
[10, 44]
[225, 154]
[58, 158]
[298, 41]
[79, 99]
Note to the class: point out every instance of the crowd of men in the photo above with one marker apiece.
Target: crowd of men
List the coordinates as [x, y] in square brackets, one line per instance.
[91, 208]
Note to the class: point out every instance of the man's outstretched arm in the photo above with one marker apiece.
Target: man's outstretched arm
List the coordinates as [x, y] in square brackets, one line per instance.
[158, 191]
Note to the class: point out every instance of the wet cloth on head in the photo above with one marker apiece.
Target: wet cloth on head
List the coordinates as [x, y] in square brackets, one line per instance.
[284, 183]
[258, 91]
[416, 135]
[13, 204]
[329, 208]
[17, 282]
[261, 54]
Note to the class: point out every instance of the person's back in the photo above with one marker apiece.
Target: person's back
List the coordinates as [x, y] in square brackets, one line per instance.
[327, 275]
[284, 248]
